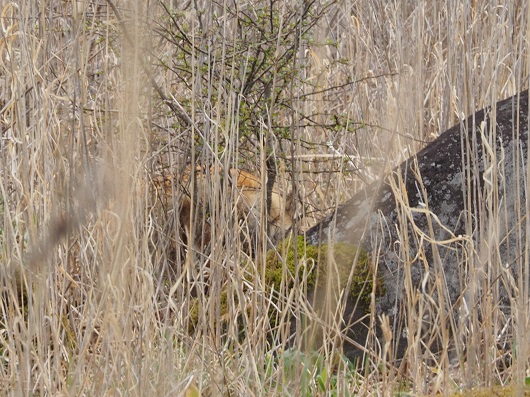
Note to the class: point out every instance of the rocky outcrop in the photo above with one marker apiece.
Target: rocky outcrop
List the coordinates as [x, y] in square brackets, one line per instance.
[445, 229]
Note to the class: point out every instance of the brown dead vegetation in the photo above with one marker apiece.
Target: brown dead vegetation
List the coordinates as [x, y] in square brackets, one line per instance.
[193, 199]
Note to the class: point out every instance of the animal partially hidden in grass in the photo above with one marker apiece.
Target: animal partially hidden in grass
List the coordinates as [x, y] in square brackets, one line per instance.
[197, 197]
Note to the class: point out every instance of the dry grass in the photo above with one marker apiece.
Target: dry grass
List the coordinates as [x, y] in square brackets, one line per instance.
[98, 97]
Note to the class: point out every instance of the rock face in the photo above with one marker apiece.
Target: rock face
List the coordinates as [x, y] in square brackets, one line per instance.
[446, 231]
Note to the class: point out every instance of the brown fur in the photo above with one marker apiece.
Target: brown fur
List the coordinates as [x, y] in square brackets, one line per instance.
[194, 208]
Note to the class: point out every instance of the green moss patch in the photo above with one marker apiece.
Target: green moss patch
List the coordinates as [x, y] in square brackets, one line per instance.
[311, 267]
[314, 263]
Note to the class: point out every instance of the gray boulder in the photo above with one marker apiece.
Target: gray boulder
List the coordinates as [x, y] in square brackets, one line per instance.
[446, 234]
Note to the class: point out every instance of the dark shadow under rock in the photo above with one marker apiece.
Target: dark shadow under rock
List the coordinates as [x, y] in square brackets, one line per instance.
[446, 230]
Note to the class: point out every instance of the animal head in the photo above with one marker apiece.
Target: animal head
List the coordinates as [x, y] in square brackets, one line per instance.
[243, 188]
[253, 201]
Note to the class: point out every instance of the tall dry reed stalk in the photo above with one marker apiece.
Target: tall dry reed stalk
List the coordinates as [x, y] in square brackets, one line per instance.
[99, 97]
